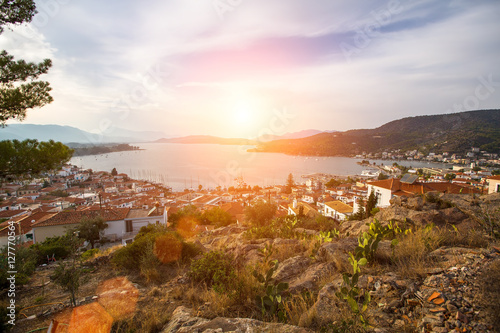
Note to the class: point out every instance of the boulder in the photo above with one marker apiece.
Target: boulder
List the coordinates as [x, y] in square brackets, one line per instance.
[308, 281]
[183, 322]
[334, 251]
[291, 268]
[326, 306]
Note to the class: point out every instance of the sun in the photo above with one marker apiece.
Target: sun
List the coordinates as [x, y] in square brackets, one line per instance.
[242, 113]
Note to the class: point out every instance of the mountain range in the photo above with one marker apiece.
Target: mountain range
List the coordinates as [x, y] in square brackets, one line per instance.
[454, 133]
[208, 139]
[68, 134]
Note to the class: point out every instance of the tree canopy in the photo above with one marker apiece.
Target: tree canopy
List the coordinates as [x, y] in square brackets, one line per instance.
[19, 90]
[16, 11]
[90, 229]
[260, 213]
[30, 157]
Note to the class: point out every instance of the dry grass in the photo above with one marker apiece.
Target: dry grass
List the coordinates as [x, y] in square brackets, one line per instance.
[299, 309]
[150, 317]
[285, 252]
[208, 303]
[411, 255]
[469, 238]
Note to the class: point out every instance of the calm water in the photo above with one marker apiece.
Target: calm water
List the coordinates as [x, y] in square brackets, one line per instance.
[189, 165]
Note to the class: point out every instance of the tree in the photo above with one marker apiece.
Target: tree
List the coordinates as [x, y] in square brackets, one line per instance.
[332, 183]
[114, 172]
[260, 213]
[360, 214]
[382, 176]
[217, 217]
[67, 276]
[30, 157]
[19, 90]
[450, 176]
[371, 203]
[90, 229]
[16, 11]
[189, 211]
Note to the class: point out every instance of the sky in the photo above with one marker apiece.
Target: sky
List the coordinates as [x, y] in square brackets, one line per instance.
[245, 68]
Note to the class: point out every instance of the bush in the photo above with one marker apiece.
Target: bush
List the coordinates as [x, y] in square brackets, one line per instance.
[60, 247]
[190, 251]
[89, 254]
[25, 264]
[216, 270]
[129, 256]
[280, 228]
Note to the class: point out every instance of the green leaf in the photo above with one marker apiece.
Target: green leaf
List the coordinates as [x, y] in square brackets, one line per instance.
[355, 278]
[362, 261]
[353, 304]
[282, 286]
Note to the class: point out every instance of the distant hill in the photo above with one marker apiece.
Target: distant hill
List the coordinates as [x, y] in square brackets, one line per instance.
[293, 135]
[208, 139]
[454, 133]
[68, 134]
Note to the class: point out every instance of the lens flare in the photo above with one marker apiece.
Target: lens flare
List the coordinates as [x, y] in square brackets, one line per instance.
[90, 318]
[186, 227]
[119, 297]
[167, 248]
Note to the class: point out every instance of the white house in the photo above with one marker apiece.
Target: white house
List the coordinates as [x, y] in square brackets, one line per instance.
[494, 184]
[337, 210]
[129, 227]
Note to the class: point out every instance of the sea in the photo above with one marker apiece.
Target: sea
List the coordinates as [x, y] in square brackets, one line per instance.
[186, 166]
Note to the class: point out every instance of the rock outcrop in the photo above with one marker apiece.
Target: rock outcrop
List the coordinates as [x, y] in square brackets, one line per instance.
[183, 321]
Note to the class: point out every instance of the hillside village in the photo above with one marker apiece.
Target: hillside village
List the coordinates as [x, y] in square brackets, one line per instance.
[47, 207]
[474, 156]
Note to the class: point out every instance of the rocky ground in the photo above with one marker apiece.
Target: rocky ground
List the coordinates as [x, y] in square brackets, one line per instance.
[453, 288]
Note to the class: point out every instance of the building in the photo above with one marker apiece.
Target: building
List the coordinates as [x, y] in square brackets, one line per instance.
[494, 184]
[338, 210]
[409, 186]
[59, 224]
[296, 208]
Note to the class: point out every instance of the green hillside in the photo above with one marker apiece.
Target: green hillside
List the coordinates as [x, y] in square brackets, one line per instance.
[453, 133]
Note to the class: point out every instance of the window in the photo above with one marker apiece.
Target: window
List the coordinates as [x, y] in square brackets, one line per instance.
[128, 226]
[498, 188]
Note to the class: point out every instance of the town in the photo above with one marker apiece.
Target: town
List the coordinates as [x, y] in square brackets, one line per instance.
[49, 206]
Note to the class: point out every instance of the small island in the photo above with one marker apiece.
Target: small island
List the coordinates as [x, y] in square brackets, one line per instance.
[103, 149]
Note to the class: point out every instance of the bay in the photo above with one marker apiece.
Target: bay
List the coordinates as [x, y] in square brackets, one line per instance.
[183, 166]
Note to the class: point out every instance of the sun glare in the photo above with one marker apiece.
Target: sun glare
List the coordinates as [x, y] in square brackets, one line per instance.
[242, 113]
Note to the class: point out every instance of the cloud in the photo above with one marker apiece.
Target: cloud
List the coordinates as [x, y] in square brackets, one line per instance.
[178, 66]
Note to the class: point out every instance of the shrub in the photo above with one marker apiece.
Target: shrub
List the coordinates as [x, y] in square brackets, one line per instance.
[25, 264]
[279, 228]
[190, 251]
[216, 270]
[128, 256]
[60, 247]
[260, 213]
[89, 254]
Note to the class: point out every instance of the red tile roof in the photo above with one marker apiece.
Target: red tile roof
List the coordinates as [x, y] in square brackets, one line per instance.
[74, 217]
[399, 188]
[25, 225]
